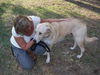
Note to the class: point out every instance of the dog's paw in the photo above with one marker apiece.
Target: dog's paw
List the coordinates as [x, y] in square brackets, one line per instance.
[48, 61]
[72, 48]
[79, 56]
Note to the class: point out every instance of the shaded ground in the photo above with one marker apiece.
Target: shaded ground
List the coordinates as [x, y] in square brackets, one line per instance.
[89, 4]
[63, 60]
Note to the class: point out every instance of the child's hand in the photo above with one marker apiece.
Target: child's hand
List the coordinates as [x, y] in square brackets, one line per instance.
[33, 55]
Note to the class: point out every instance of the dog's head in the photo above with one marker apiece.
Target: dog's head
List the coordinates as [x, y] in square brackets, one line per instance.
[42, 31]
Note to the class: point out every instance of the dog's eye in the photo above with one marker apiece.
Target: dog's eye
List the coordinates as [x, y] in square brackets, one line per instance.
[40, 33]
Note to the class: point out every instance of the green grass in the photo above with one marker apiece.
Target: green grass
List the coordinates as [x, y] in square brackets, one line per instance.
[45, 9]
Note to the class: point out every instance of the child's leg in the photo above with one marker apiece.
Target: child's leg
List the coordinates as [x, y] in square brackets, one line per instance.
[39, 50]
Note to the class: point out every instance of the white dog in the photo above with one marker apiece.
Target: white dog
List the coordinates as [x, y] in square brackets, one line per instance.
[51, 33]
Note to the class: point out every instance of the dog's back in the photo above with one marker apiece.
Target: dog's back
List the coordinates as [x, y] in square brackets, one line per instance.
[61, 29]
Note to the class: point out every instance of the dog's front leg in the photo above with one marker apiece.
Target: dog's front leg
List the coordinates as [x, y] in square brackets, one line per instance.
[74, 46]
[48, 57]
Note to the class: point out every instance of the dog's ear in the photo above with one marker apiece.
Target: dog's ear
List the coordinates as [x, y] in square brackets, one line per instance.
[48, 30]
[48, 26]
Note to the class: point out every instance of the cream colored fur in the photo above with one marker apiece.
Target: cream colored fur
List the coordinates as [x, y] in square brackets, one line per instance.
[51, 33]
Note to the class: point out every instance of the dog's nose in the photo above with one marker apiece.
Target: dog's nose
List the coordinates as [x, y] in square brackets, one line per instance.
[37, 39]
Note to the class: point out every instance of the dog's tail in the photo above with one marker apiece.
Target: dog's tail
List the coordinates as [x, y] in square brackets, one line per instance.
[92, 39]
[89, 39]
